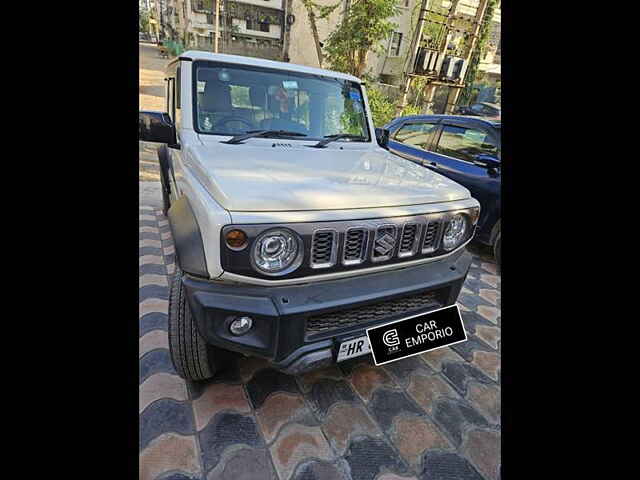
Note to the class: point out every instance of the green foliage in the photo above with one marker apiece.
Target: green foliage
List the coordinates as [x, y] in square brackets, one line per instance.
[472, 70]
[364, 27]
[382, 109]
[143, 18]
[412, 110]
[174, 48]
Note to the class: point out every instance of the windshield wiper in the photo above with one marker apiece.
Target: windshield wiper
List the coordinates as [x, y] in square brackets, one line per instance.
[262, 133]
[330, 138]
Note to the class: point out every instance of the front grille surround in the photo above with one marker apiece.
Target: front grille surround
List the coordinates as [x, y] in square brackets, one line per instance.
[349, 245]
[339, 321]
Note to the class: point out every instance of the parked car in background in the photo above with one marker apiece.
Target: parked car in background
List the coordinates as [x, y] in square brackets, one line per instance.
[464, 149]
[481, 109]
[144, 37]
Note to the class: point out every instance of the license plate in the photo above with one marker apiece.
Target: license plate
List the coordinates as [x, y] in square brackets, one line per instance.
[353, 348]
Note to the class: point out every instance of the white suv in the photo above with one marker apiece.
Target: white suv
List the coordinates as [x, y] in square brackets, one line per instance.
[294, 228]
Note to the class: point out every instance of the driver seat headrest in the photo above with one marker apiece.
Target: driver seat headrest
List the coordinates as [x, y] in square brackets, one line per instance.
[216, 97]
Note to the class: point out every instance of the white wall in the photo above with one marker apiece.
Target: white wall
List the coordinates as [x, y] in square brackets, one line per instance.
[268, 3]
[274, 30]
[302, 49]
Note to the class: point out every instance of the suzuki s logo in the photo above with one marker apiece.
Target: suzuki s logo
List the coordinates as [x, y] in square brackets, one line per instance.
[385, 244]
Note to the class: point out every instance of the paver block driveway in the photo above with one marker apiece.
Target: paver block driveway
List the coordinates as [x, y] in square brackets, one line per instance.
[434, 416]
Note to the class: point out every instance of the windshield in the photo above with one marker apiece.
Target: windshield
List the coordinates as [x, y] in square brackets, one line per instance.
[234, 99]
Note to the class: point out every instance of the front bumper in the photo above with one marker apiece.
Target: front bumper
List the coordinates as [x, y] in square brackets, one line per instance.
[279, 333]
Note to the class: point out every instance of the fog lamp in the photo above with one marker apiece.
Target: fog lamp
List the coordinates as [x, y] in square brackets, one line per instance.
[241, 325]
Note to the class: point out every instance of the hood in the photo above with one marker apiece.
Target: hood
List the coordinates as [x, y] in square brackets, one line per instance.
[258, 176]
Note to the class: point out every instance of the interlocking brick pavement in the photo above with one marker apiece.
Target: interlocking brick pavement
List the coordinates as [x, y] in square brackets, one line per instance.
[431, 416]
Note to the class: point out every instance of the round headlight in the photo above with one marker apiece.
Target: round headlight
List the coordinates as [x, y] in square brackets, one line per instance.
[277, 252]
[455, 232]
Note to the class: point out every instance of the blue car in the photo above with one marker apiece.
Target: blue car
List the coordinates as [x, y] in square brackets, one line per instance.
[464, 149]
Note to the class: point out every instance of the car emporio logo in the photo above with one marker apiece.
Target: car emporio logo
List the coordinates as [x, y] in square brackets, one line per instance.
[416, 334]
[391, 340]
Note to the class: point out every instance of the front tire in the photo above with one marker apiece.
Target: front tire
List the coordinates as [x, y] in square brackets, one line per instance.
[497, 249]
[191, 356]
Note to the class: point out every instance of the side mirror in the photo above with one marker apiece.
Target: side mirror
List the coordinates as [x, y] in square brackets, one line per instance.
[156, 127]
[486, 161]
[382, 136]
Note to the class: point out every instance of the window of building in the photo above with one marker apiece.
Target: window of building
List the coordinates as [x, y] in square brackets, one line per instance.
[202, 5]
[394, 45]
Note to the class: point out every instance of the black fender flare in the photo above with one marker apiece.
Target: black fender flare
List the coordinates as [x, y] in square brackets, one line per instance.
[165, 166]
[187, 239]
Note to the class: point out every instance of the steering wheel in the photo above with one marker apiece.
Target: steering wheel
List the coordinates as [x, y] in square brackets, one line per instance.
[233, 118]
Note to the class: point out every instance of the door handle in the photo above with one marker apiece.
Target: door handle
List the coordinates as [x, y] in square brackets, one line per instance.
[433, 164]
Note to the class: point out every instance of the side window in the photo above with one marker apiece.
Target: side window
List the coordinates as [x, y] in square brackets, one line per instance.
[465, 143]
[415, 134]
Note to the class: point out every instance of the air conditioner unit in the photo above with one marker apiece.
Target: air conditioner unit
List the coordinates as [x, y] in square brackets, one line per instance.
[446, 71]
[433, 60]
[451, 68]
[426, 60]
[458, 68]
[419, 65]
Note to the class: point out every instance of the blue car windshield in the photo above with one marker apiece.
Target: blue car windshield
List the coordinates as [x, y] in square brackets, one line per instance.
[233, 99]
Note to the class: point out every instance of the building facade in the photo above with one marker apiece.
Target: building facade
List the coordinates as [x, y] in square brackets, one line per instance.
[252, 28]
[389, 65]
[281, 30]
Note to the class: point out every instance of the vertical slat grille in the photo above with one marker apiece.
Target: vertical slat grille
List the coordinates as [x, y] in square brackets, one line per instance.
[324, 249]
[409, 240]
[431, 236]
[355, 244]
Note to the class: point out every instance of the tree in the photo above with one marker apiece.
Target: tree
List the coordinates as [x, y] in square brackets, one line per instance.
[365, 25]
[311, 7]
[382, 109]
[143, 18]
[483, 37]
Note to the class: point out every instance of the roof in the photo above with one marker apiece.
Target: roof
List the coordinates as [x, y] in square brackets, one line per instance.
[493, 122]
[260, 62]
